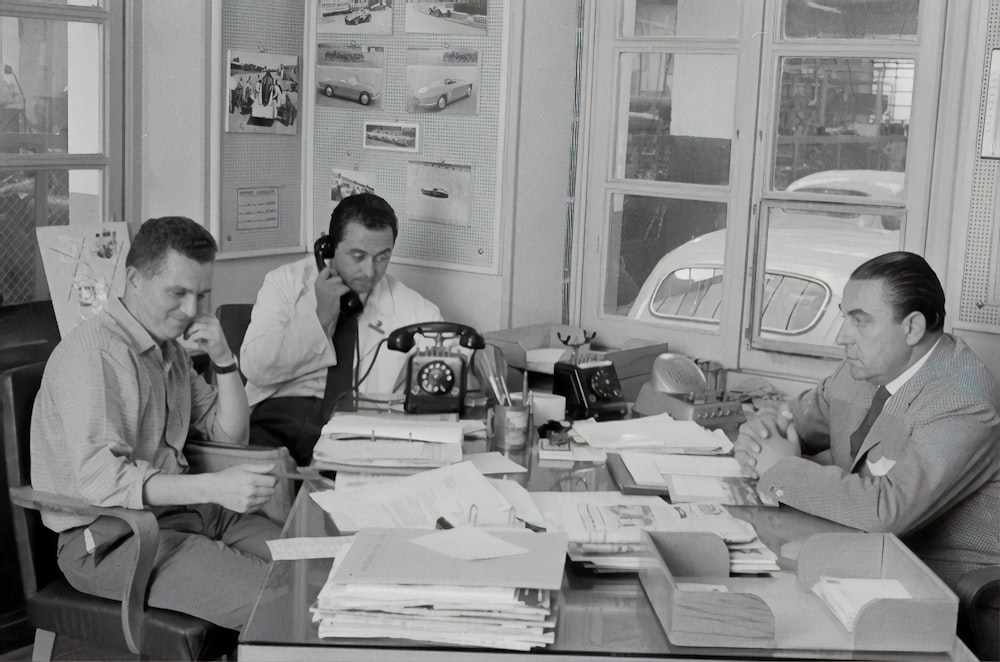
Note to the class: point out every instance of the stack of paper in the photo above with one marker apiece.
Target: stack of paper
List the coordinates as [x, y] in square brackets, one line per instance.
[462, 586]
[695, 479]
[605, 528]
[459, 493]
[653, 434]
[846, 596]
[357, 442]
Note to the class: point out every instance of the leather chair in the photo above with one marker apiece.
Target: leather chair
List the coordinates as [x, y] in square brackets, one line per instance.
[56, 608]
[979, 611]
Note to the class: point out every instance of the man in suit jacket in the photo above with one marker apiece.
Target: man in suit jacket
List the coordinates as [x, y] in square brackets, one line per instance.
[926, 466]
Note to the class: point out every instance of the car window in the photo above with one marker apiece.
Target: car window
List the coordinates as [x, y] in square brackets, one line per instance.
[792, 304]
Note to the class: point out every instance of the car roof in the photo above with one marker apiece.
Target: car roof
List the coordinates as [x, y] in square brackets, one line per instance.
[820, 249]
[872, 183]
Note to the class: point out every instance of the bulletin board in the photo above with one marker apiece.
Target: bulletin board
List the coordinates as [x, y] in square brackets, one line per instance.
[464, 144]
[260, 176]
[980, 302]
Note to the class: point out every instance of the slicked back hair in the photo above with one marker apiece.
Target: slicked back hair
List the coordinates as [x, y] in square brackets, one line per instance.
[910, 285]
[367, 209]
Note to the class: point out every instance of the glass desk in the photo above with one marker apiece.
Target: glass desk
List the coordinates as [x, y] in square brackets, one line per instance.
[599, 616]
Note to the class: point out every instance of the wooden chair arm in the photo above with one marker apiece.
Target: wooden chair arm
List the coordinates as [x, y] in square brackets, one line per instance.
[147, 535]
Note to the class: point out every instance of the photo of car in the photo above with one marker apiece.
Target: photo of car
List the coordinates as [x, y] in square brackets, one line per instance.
[435, 192]
[358, 16]
[350, 88]
[438, 94]
[437, 10]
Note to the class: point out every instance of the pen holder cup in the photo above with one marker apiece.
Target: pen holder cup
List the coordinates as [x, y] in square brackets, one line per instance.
[510, 426]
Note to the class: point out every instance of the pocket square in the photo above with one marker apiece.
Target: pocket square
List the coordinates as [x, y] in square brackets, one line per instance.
[881, 466]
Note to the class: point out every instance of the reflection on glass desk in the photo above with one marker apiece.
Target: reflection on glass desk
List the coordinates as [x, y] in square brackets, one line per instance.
[599, 616]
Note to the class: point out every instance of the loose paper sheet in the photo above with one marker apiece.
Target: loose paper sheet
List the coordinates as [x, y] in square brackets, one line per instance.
[291, 549]
[459, 493]
[468, 543]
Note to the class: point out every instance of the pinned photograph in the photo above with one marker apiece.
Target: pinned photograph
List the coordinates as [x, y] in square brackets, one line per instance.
[346, 182]
[442, 80]
[393, 136]
[463, 18]
[439, 193]
[263, 93]
[85, 268]
[354, 17]
[349, 76]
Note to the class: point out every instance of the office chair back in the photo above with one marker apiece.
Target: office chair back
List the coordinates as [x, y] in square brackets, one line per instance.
[234, 319]
[18, 387]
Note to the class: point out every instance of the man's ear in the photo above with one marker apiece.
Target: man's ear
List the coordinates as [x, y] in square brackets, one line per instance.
[132, 275]
[915, 328]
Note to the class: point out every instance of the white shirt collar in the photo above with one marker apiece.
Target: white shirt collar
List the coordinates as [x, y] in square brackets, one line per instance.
[898, 382]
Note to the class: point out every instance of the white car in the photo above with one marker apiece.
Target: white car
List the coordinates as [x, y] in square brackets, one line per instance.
[809, 260]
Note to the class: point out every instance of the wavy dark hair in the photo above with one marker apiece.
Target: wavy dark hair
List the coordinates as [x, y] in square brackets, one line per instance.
[911, 286]
[158, 235]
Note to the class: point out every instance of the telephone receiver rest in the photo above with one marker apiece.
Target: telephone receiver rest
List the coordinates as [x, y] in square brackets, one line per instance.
[404, 338]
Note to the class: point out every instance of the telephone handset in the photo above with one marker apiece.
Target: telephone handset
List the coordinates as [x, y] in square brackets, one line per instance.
[435, 377]
[323, 250]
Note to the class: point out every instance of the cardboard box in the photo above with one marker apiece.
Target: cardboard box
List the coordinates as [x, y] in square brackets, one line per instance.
[781, 611]
[633, 361]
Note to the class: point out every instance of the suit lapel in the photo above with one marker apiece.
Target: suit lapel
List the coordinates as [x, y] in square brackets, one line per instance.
[936, 365]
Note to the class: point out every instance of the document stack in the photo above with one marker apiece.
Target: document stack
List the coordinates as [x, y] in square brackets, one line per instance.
[847, 596]
[605, 528]
[685, 479]
[385, 444]
[462, 586]
[459, 493]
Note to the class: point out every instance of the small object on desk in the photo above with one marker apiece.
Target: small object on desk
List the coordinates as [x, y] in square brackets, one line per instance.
[510, 426]
[443, 523]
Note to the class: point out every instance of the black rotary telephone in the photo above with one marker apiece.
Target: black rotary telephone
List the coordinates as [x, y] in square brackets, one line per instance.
[323, 250]
[435, 377]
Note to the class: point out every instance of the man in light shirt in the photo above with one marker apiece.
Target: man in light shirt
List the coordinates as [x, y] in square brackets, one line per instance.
[925, 466]
[117, 402]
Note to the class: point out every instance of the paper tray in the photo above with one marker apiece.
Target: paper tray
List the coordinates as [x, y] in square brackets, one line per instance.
[781, 611]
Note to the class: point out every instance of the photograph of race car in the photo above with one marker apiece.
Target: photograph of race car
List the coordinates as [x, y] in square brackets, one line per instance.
[351, 88]
[435, 192]
[358, 16]
[439, 93]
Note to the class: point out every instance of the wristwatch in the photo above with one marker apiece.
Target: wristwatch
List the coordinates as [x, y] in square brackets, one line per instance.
[221, 370]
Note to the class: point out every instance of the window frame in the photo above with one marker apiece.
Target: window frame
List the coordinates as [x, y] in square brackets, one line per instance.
[119, 137]
[751, 158]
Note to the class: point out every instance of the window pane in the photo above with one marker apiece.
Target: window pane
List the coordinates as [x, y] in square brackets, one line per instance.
[850, 19]
[29, 199]
[842, 114]
[809, 256]
[663, 257]
[681, 18]
[50, 102]
[676, 124]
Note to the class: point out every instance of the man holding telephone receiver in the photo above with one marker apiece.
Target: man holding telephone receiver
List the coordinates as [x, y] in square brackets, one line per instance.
[317, 326]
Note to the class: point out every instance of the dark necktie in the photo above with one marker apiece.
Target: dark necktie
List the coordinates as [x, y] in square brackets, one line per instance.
[878, 401]
[340, 377]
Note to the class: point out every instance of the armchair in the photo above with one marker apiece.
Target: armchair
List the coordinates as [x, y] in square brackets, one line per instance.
[53, 606]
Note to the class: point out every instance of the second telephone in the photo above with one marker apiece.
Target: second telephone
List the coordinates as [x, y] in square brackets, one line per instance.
[323, 250]
[435, 377]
